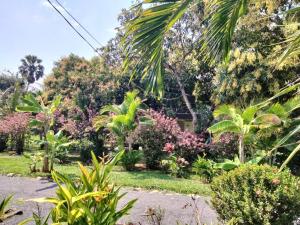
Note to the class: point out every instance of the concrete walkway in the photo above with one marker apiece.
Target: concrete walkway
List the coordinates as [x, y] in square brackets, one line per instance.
[176, 207]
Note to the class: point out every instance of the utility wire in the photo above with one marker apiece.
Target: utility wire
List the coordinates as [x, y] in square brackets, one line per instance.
[73, 27]
[92, 36]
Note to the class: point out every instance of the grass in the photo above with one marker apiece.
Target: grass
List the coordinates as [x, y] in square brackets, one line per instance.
[142, 179]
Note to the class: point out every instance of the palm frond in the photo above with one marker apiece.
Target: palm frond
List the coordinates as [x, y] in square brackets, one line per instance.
[145, 37]
[293, 41]
[222, 19]
[292, 49]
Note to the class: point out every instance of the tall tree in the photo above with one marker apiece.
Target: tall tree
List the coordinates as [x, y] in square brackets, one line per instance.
[31, 69]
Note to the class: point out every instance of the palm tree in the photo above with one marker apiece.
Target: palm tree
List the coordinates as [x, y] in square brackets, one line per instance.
[31, 69]
[243, 123]
[121, 119]
[145, 34]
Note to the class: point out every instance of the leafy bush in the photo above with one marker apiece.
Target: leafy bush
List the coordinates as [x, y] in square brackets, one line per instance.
[166, 130]
[130, 158]
[90, 200]
[176, 166]
[204, 168]
[84, 147]
[257, 195]
[35, 159]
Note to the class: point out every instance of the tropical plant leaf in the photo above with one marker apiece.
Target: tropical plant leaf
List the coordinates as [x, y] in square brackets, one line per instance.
[249, 113]
[145, 36]
[222, 20]
[224, 126]
[225, 110]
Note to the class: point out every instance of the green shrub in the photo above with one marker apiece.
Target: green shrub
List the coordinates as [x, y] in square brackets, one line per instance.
[176, 166]
[84, 147]
[152, 144]
[131, 158]
[204, 168]
[257, 195]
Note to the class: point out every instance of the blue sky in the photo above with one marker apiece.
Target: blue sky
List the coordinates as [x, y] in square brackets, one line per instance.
[33, 27]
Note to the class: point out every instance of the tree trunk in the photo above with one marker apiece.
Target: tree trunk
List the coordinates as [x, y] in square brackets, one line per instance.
[46, 164]
[46, 157]
[241, 149]
[186, 101]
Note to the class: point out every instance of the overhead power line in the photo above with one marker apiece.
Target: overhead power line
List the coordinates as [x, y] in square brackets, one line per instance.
[76, 20]
[70, 24]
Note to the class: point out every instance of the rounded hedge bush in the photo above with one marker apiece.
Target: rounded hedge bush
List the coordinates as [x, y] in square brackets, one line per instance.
[257, 194]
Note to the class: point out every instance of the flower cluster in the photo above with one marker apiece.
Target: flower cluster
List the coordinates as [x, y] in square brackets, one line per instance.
[14, 124]
[169, 148]
[183, 143]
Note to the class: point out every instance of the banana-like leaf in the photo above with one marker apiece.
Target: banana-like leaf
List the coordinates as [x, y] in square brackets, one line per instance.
[225, 110]
[267, 120]
[286, 138]
[249, 113]
[224, 126]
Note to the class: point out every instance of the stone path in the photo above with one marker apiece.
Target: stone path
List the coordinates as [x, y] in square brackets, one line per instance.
[176, 206]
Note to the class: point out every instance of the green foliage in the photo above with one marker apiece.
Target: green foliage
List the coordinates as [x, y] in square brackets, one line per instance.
[57, 144]
[35, 159]
[130, 158]
[122, 120]
[204, 168]
[228, 165]
[3, 206]
[176, 166]
[90, 200]
[256, 195]
[152, 143]
[84, 83]
[37, 219]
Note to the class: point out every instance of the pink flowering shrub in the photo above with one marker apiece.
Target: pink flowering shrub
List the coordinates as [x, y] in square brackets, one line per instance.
[166, 137]
[15, 126]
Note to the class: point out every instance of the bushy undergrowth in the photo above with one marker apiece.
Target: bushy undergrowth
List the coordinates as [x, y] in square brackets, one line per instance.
[257, 195]
[131, 158]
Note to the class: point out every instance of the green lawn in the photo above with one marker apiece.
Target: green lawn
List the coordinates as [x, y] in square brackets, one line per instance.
[144, 179]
